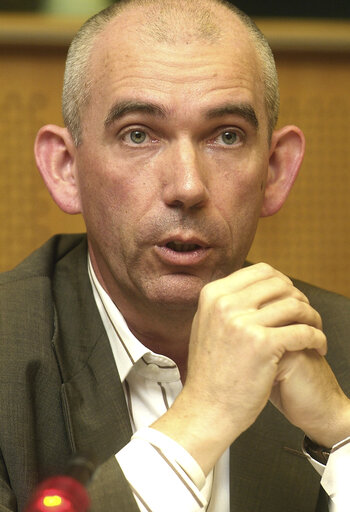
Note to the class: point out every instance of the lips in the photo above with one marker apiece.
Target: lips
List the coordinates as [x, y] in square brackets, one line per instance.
[182, 251]
[178, 246]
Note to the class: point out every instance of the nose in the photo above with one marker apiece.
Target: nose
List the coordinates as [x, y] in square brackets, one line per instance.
[185, 177]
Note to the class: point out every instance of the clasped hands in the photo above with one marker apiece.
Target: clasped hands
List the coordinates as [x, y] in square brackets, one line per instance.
[254, 337]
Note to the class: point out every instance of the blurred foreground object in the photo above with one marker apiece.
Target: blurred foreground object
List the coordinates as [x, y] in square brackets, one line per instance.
[64, 493]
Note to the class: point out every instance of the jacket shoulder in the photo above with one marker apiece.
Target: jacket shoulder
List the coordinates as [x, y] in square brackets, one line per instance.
[333, 308]
[42, 261]
[26, 301]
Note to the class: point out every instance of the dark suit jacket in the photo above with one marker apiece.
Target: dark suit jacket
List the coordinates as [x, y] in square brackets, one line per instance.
[60, 392]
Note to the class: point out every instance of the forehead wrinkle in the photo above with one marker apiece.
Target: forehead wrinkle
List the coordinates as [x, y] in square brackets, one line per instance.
[129, 26]
[169, 74]
[116, 67]
[117, 43]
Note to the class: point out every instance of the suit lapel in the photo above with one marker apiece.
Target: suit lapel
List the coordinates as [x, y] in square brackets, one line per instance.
[95, 409]
[268, 471]
[94, 406]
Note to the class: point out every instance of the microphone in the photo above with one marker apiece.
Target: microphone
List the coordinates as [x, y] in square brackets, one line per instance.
[64, 493]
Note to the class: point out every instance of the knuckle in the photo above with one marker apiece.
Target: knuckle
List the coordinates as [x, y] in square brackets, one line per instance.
[296, 306]
[305, 313]
[207, 293]
[223, 306]
[238, 323]
[281, 285]
[255, 333]
[316, 338]
[264, 268]
[320, 335]
[318, 319]
[258, 334]
[309, 332]
[301, 295]
[295, 292]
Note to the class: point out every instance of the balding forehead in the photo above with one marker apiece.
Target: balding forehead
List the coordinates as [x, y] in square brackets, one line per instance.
[175, 22]
[129, 34]
[170, 21]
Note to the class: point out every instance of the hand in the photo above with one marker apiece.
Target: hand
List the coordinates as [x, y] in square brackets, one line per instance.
[308, 394]
[244, 325]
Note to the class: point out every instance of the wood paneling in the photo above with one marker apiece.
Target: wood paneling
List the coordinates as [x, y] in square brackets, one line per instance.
[308, 238]
[30, 89]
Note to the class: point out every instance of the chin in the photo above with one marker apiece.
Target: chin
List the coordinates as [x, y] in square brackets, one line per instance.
[176, 291]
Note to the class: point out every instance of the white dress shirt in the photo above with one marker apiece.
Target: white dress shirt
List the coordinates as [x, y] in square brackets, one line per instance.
[336, 475]
[161, 473]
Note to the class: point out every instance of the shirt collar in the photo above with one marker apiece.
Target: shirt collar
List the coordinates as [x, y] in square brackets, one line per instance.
[126, 348]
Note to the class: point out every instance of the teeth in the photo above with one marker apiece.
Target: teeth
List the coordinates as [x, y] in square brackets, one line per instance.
[180, 247]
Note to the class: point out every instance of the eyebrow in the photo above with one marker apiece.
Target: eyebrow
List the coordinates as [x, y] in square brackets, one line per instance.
[121, 109]
[244, 110]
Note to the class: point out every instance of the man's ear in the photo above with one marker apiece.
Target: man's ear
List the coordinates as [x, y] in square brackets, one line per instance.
[286, 156]
[55, 152]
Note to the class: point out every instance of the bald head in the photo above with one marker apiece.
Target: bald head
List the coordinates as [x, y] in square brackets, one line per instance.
[164, 21]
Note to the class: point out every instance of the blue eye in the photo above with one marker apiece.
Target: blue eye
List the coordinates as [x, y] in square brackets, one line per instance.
[229, 138]
[137, 136]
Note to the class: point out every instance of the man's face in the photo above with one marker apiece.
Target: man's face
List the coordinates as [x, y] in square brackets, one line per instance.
[172, 164]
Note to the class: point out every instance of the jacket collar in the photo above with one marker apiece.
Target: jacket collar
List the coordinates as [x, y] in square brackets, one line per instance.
[94, 407]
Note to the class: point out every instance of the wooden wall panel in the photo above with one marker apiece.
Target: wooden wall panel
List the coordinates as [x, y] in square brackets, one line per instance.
[308, 238]
[30, 89]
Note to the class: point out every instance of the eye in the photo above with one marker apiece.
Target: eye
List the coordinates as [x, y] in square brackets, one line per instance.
[229, 137]
[137, 136]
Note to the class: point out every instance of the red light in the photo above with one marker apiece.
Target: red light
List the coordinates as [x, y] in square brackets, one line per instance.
[51, 499]
[59, 494]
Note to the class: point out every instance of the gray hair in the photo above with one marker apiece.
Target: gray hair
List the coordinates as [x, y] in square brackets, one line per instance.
[77, 79]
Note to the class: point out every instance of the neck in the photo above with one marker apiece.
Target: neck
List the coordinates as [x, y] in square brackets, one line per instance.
[170, 341]
[163, 328]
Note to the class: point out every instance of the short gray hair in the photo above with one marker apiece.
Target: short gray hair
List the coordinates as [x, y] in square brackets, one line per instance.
[77, 80]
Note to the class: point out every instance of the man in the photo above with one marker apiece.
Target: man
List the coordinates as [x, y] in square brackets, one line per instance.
[170, 154]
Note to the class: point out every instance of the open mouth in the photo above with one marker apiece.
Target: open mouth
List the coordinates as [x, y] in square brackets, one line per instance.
[181, 247]
[183, 252]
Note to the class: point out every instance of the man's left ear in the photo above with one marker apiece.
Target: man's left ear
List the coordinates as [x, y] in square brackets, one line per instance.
[286, 156]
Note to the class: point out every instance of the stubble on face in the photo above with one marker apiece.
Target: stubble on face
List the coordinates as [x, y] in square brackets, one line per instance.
[122, 244]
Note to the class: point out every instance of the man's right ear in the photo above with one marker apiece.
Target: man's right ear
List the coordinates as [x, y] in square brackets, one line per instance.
[55, 152]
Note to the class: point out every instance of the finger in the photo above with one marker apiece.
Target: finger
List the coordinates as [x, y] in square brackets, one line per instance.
[243, 278]
[270, 290]
[297, 337]
[285, 312]
[271, 295]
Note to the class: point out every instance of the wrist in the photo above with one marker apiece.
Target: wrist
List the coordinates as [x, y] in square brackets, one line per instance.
[334, 429]
[199, 430]
[173, 452]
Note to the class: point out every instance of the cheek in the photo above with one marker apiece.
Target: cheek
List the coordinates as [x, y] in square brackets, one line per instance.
[99, 177]
[241, 191]
[114, 198]
[239, 200]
